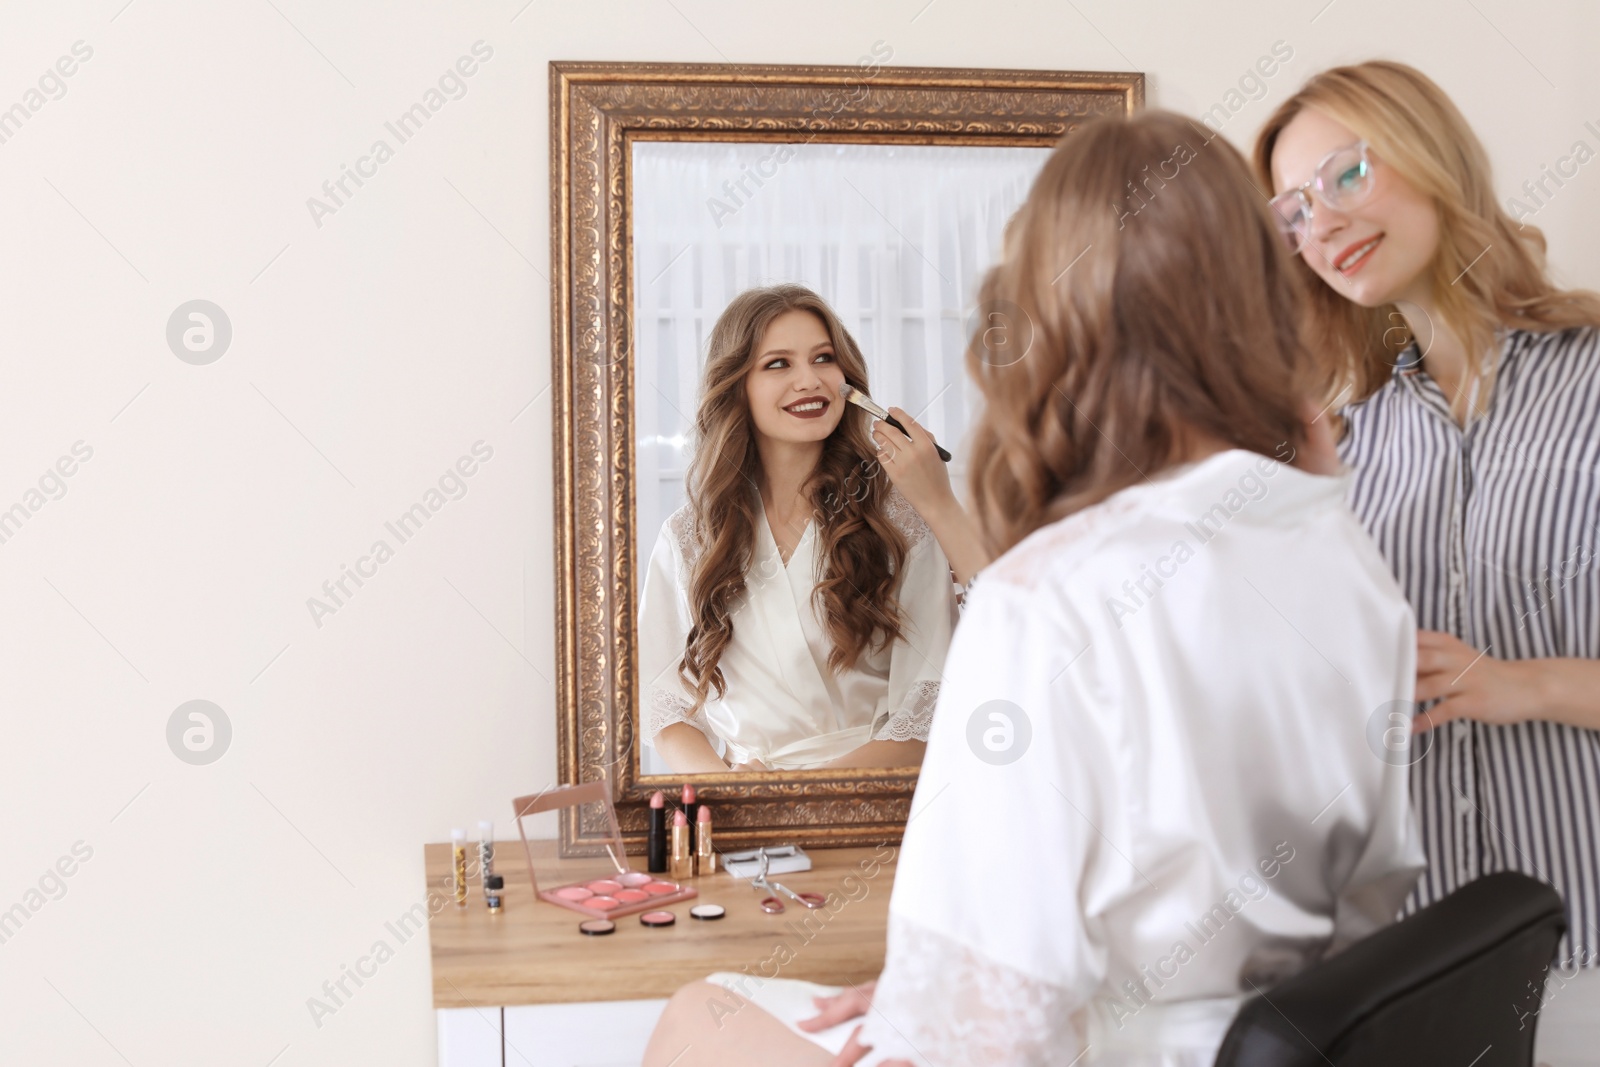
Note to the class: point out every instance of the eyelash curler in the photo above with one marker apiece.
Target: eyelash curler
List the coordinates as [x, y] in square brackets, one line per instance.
[772, 905]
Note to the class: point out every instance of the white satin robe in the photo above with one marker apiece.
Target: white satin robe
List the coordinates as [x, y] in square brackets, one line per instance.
[783, 705]
[1194, 787]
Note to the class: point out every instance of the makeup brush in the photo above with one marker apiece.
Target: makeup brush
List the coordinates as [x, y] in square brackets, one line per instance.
[866, 403]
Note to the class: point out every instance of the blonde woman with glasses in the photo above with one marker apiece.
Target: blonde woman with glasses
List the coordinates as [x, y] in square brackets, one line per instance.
[1473, 429]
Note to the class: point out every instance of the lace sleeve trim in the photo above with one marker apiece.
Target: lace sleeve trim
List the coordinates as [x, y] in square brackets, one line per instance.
[914, 717]
[663, 709]
[949, 1004]
[685, 533]
[906, 518]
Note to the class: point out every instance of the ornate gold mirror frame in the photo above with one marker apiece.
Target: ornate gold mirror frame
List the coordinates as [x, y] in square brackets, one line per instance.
[597, 112]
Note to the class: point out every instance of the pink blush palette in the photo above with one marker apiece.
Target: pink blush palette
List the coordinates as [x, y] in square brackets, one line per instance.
[609, 889]
[620, 894]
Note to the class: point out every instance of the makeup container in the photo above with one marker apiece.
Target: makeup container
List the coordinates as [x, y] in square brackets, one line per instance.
[656, 839]
[691, 809]
[609, 888]
[681, 864]
[458, 866]
[705, 860]
[492, 889]
[485, 853]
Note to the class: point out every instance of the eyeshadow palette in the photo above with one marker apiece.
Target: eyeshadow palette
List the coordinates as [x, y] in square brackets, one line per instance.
[619, 894]
[614, 889]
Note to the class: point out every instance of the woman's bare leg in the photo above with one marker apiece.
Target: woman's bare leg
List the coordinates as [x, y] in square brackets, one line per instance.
[706, 1025]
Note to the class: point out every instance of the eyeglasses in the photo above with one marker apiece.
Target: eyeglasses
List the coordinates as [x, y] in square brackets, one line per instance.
[1342, 180]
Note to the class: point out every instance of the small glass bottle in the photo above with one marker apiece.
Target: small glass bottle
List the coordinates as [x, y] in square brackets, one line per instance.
[458, 865]
[485, 852]
[492, 888]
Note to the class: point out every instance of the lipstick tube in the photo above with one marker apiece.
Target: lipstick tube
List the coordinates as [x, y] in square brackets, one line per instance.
[705, 860]
[690, 807]
[682, 864]
[656, 839]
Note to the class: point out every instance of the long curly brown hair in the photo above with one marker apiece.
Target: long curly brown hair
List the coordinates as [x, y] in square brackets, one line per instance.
[861, 552]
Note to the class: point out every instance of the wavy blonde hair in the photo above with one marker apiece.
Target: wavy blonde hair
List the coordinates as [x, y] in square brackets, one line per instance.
[1415, 128]
[861, 551]
[1147, 270]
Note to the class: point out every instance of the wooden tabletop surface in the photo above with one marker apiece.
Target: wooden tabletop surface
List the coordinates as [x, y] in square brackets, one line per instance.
[533, 953]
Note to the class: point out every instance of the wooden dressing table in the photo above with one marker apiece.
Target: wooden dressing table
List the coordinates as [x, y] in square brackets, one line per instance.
[524, 988]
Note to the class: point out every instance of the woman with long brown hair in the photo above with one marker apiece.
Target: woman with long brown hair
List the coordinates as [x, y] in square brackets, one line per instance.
[1473, 430]
[796, 611]
[1148, 785]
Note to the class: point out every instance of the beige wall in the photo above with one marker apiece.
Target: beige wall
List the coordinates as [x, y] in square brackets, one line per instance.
[371, 348]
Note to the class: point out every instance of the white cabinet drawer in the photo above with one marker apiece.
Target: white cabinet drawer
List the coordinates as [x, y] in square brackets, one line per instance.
[469, 1037]
[610, 1033]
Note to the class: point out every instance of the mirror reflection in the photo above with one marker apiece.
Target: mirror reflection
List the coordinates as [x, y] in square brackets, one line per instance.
[794, 608]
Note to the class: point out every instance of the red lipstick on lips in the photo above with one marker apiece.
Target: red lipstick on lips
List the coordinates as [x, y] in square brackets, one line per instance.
[814, 414]
[1375, 240]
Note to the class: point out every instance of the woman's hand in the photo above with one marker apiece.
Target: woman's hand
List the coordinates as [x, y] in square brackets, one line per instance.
[853, 1051]
[913, 465]
[842, 1007]
[1472, 684]
[917, 471]
[753, 765]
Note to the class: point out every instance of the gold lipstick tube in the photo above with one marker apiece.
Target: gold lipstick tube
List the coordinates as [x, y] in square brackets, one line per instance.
[681, 861]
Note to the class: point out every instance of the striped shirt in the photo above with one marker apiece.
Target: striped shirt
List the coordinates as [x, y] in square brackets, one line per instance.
[1493, 533]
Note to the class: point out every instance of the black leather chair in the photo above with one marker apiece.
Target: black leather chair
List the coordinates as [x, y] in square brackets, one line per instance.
[1458, 983]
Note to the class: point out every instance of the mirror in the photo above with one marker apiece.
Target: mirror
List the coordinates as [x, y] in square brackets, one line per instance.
[894, 239]
[674, 188]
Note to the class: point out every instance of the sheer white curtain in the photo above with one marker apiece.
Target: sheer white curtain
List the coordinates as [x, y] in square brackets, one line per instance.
[894, 238]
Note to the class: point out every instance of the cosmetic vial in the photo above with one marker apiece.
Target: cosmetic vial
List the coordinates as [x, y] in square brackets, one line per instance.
[485, 850]
[492, 887]
[458, 865]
